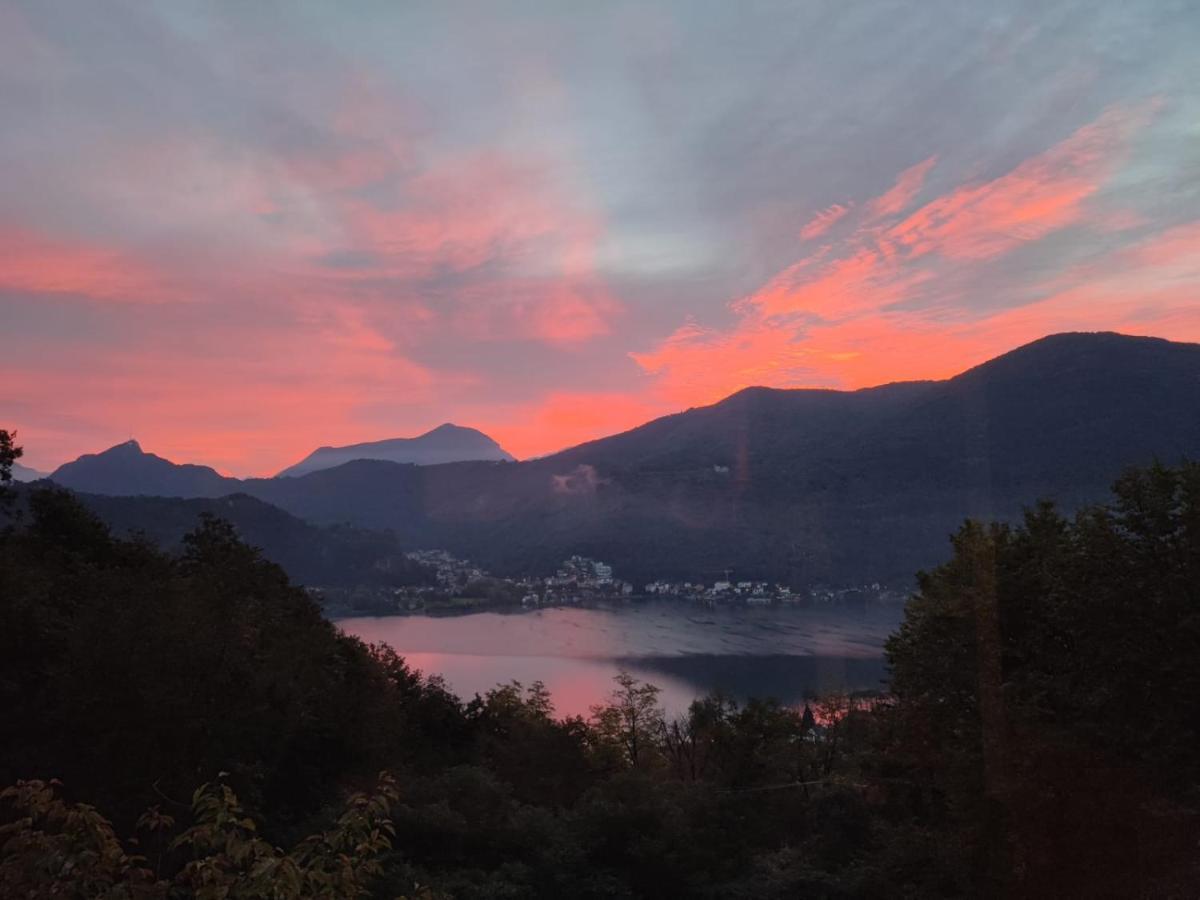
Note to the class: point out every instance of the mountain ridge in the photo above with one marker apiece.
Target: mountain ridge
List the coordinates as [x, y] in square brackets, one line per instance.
[445, 443]
[807, 486]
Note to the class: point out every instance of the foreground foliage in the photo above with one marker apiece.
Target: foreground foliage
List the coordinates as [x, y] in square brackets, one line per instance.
[52, 848]
[1038, 738]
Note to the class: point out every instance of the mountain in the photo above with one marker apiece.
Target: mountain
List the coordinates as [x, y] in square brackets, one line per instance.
[24, 473]
[128, 470]
[445, 444]
[804, 486]
[807, 486]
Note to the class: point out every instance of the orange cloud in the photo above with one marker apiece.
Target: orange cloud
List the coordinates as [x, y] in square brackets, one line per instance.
[882, 265]
[699, 366]
[565, 418]
[1042, 195]
[862, 310]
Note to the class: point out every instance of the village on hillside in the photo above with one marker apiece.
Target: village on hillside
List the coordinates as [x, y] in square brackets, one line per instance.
[459, 585]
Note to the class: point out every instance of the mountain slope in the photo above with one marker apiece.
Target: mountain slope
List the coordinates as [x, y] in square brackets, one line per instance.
[807, 486]
[444, 444]
[335, 556]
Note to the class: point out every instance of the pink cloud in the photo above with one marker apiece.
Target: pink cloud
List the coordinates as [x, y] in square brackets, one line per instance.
[903, 192]
[877, 265]
[862, 310]
[1041, 195]
[39, 264]
[823, 221]
[527, 251]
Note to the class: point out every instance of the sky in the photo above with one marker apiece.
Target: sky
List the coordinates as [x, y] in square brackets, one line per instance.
[238, 231]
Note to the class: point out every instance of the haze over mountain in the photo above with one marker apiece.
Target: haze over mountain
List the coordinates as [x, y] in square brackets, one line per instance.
[24, 473]
[444, 444]
[326, 556]
[799, 485]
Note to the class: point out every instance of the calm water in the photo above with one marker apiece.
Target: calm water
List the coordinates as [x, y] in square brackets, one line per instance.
[687, 651]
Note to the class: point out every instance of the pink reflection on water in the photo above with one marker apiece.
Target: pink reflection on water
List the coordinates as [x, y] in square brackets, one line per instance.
[683, 650]
[576, 685]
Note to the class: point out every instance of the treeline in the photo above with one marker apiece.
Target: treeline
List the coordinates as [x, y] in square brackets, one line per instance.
[1038, 740]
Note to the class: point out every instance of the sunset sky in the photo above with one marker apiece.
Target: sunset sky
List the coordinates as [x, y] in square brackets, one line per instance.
[237, 231]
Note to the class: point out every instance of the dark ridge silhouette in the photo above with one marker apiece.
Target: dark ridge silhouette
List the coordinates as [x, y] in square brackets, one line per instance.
[127, 469]
[444, 444]
[803, 486]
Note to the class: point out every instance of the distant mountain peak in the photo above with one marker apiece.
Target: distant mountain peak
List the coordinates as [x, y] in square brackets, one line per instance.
[126, 468]
[444, 444]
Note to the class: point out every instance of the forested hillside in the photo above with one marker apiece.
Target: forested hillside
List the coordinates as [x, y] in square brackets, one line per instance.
[1038, 739]
[335, 555]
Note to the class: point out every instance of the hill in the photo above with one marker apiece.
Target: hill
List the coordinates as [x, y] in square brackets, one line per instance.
[331, 556]
[444, 444]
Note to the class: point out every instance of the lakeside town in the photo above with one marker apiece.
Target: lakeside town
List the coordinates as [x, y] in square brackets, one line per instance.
[458, 585]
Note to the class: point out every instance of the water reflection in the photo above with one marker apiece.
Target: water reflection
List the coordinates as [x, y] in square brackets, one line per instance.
[785, 653]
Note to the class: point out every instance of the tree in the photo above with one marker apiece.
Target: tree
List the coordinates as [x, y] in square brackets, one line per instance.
[691, 742]
[1012, 673]
[632, 721]
[9, 454]
[55, 848]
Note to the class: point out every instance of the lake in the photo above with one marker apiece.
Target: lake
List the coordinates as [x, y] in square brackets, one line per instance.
[688, 651]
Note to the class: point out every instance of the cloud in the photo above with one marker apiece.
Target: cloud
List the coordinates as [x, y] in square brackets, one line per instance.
[581, 481]
[39, 264]
[885, 302]
[561, 419]
[696, 365]
[823, 221]
[1041, 195]
[318, 228]
[491, 245]
[903, 192]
